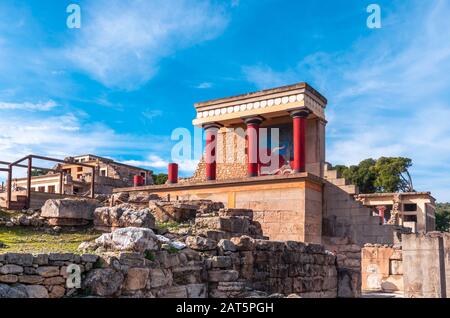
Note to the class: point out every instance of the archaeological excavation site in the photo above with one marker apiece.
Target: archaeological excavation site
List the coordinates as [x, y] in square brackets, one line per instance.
[251, 222]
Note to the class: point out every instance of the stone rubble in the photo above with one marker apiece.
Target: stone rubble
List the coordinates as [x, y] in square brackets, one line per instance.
[121, 216]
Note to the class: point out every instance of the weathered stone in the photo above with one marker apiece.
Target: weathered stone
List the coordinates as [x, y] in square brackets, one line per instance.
[236, 212]
[7, 291]
[199, 243]
[22, 259]
[227, 246]
[70, 211]
[57, 280]
[69, 257]
[159, 278]
[176, 292]
[57, 291]
[136, 278]
[177, 211]
[222, 275]
[31, 279]
[29, 270]
[48, 271]
[129, 239]
[37, 291]
[124, 215]
[40, 259]
[221, 261]
[9, 279]
[131, 259]
[188, 274]
[196, 291]
[244, 243]
[11, 269]
[89, 258]
[349, 283]
[103, 281]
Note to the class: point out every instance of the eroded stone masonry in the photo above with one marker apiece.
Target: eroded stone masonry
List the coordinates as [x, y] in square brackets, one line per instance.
[223, 254]
[244, 226]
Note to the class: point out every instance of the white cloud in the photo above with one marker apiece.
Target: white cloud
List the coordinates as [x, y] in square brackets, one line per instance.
[388, 94]
[49, 105]
[121, 43]
[204, 85]
[65, 135]
[265, 77]
[151, 113]
[157, 162]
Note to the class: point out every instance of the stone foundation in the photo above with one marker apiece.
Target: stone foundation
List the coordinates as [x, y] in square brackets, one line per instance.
[382, 268]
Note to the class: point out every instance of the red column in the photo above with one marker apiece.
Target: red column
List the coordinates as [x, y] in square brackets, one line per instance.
[381, 210]
[253, 145]
[210, 153]
[172, 175]
[299, 136]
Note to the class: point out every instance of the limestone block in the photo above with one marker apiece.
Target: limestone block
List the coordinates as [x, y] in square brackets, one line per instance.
[48, 271]
[22, 259]
[136, 278]
[8, 279]
[11, 269]
[103, 281]
[31, 279]
[56, 291]
[75, 209]
[223, 275]
[37, 291]
[221, 261]
[196, 291]
[159, 277]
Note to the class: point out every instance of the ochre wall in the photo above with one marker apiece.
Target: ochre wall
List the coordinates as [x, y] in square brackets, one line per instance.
[286, 210]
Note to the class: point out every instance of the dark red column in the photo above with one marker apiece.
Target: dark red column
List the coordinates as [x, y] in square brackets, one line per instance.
[381, 210]
[172, 176]
[210, 153]
[299, 135]
[253, 145]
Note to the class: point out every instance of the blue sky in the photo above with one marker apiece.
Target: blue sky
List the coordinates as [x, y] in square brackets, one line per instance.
[119, 85]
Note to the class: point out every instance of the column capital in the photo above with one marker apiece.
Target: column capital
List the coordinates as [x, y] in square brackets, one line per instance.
[212, 125]
[302, 112]
[255, 120]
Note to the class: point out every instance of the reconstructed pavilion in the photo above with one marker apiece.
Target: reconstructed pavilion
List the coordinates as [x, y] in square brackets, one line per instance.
[294, 193]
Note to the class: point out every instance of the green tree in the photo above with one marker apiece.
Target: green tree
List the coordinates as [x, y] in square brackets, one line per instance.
[443, 217]
[37, 172]
[391, 173]
[160, 178]
[387, 174]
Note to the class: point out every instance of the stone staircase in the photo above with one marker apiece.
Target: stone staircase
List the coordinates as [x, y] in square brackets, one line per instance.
[335, 178]
[349, 217]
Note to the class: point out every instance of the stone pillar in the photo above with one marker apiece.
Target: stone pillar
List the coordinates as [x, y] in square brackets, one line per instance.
[211, 131]
[299, 137]
[253, 145]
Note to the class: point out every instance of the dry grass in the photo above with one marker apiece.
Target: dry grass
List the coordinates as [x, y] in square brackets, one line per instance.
[29, 240]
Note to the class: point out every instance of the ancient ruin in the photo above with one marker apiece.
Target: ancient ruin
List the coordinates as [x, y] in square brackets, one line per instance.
[257, 219]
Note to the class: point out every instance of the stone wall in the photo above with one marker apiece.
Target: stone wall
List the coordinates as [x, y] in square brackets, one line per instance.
[348, 262]
[426, 265]
[39, 276]
[241, 267]
[382, 268]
